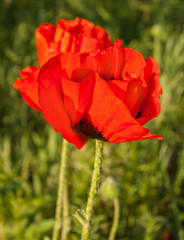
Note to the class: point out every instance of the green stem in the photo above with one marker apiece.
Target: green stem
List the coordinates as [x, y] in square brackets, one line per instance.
[66, 219]
[95, 182]
[62, 180]
[115, 223]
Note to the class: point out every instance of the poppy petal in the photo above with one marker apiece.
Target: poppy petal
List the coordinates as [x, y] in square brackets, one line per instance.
[119, 88]
[112, 59]
[78, 35]
[80, 26]
[46, 47]
[150, 107]
[79, 92]
[151, 135]
[152, 72]
[134, 64]
[135, 94]
[28, 86]
[118, 63]
[111, 117]
[53, 100]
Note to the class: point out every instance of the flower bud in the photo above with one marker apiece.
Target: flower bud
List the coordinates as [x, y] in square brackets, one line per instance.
[110, 188]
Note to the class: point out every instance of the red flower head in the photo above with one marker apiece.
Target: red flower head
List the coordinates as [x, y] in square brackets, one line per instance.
[106, 95]
[77, 35]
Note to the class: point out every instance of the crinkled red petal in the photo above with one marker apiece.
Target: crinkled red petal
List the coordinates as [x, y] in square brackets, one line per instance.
[118, 63]
[78, 35]
[111, 117]
[28, 86]
[63, 100]
[150, 107]
[46, 46]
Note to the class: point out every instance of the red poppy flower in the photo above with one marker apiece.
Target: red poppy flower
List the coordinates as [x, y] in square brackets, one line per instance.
[106, 95]
[78, 35]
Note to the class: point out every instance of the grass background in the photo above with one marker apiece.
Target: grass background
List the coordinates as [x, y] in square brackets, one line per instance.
[150, 172]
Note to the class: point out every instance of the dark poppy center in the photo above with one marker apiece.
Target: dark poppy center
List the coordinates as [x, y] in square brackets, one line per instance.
[138, 115]
[85, 126]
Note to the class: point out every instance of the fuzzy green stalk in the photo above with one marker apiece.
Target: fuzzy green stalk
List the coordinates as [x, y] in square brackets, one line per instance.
[66, 219]
[62, 181]
[95, 182]
[115, 223]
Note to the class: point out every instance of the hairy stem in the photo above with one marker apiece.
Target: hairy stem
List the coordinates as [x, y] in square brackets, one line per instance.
[93, 190]
[62, 181]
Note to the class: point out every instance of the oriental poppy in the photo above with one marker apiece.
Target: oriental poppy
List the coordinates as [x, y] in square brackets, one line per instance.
[106, 95]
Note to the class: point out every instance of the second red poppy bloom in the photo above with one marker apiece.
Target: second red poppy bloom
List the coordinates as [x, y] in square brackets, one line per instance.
[78, 35]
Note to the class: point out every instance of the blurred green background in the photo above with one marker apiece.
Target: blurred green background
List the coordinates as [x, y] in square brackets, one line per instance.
[150, 172]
